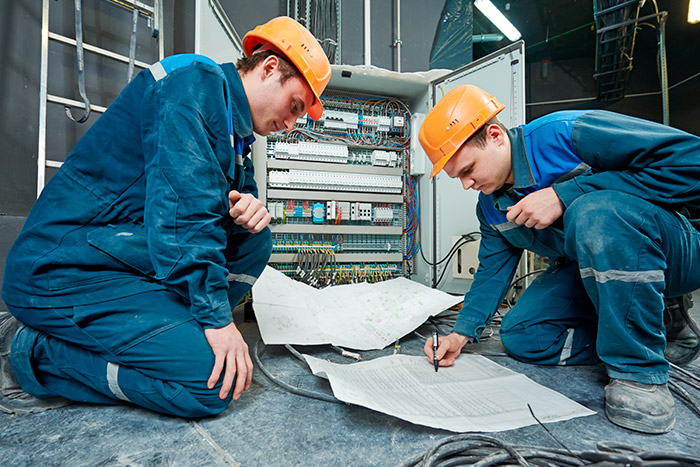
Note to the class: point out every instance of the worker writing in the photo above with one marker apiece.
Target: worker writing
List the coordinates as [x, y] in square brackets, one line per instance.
[124, 276]
[613, 201]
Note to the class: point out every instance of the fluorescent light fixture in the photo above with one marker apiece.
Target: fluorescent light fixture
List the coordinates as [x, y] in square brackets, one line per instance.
[496, 17]
[694, 11]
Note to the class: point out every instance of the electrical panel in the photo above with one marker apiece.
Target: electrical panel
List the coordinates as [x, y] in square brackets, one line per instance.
[340, 193]
[350, 194]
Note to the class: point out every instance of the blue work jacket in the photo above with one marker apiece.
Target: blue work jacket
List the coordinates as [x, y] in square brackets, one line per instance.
[574, 152]
[141, 202]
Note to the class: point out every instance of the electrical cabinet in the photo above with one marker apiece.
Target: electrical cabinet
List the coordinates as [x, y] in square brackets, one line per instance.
[349, 195]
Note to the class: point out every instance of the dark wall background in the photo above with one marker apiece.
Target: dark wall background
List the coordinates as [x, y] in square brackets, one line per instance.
[560, 59]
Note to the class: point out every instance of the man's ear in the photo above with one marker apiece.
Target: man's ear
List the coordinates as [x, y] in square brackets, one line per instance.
[495, 133]
[269, 66]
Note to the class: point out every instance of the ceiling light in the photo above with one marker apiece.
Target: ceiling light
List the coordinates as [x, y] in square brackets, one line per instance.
[500, 21]
[694, 11]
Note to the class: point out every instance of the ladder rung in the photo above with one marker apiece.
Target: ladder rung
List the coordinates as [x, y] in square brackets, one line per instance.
[604, 37]
[616, 7]
[136, 4]
[97, 50]
[54, 164]
[73, 103]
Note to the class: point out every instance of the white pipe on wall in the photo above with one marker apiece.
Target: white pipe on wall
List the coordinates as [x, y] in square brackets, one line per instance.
[397, 43]
[368, 35]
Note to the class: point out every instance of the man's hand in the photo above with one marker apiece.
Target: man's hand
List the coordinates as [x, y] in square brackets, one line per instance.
[448, 350]
[230, 351]
[538, 209]
[248, 211]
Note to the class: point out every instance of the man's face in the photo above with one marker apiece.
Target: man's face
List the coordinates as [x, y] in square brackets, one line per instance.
[483, 169]
[276, 106]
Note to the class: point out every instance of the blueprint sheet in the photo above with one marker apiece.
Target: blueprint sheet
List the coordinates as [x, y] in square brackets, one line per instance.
[475, 394]
[359, 316]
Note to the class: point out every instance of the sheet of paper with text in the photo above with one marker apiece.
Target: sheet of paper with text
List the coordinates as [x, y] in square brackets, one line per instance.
[359, 316]
[475, 394]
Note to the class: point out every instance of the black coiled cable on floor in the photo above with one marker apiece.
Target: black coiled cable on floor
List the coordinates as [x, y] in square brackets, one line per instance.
[481, 450]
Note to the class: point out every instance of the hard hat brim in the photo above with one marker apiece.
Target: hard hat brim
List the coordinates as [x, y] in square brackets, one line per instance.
[316, 110]
[437, 167]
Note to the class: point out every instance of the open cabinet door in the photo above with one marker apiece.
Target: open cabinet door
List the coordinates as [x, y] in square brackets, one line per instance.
[452, 209]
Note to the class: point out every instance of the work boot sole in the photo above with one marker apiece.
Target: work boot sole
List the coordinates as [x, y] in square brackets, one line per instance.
[636, 421]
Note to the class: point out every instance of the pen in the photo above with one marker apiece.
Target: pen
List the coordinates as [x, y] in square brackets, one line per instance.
[435, 347]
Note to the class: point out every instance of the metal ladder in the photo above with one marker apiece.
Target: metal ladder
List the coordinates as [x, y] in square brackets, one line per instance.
[154, 13]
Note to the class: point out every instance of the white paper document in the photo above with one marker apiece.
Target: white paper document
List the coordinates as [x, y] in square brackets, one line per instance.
[475, 394]
[359, 316]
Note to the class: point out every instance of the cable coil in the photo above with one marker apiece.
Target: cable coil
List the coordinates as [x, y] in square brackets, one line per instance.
[482, 450]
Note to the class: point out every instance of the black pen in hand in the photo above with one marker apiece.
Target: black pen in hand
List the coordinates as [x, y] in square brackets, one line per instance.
[436, 362]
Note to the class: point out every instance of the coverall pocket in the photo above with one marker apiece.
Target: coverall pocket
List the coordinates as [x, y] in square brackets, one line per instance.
[75, 263]
[126, 245]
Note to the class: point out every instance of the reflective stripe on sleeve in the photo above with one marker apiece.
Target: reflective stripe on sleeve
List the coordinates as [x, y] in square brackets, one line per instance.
[505, 226]
[623, 276]
[241, 278]
[113, 381]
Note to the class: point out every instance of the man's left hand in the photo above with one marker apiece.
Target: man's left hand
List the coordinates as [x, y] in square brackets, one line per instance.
[539, 209]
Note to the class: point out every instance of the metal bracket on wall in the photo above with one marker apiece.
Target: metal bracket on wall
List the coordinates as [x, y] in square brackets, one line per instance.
[154, 15]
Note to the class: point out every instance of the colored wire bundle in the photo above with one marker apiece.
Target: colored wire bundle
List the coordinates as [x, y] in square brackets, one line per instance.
[412, 218]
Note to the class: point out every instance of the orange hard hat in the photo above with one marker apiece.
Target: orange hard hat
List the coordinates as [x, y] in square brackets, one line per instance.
[299, 46]
[453, 120]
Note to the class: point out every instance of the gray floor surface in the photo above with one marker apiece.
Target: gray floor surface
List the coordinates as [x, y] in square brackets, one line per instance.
[269, 426]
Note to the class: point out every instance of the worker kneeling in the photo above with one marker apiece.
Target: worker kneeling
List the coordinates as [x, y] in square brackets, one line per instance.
[613, 202]
[124, 276]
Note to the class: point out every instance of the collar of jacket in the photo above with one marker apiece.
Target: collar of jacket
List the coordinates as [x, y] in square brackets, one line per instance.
[522, 173]
[242, 119]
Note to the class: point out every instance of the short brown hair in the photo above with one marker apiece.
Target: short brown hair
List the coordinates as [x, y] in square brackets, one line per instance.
[287, 69]
[478, 139]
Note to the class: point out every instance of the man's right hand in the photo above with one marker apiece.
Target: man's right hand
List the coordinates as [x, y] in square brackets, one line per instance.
[248, 211]
[449, 348]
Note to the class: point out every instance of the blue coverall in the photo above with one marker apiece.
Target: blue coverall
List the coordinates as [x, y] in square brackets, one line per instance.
[619, 248]
[130, 253]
